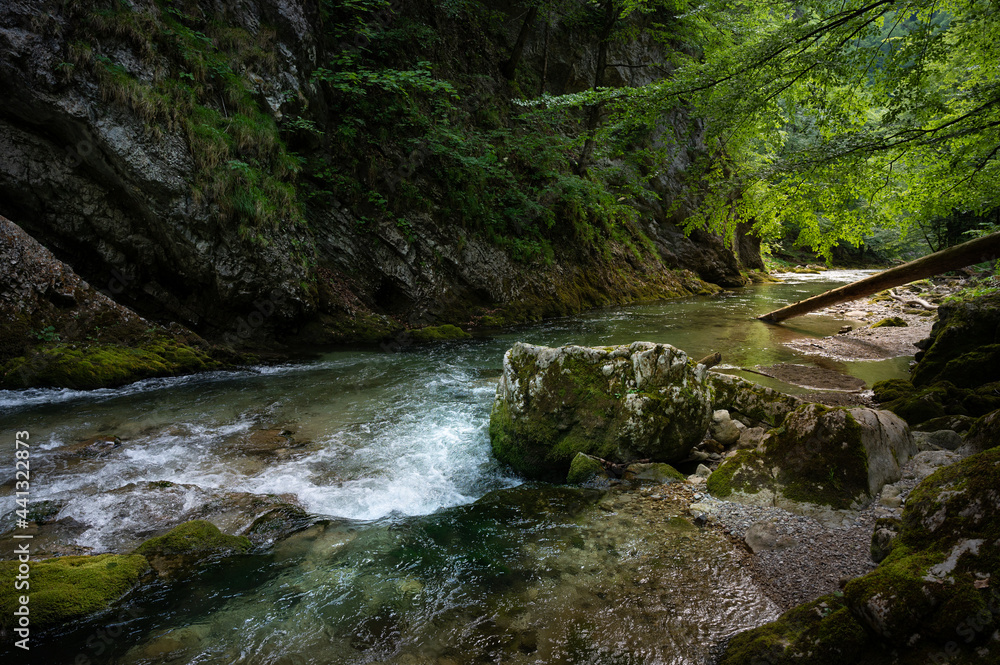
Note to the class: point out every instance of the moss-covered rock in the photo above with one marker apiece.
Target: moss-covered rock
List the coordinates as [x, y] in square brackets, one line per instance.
[654, 472]
[821, 632]
[585, 468]
[745, 472]
[438, 333]
[751, 402]
[66, 588]
[936, 579]
[984, 433]
[964, 345]
[618, 403]
[85, 366]
[936, 402]
[188, 544]
[891, 322]
[831, 457]
[196, 536]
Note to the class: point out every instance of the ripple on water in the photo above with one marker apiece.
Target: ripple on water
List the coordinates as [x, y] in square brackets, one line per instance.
[526, 575]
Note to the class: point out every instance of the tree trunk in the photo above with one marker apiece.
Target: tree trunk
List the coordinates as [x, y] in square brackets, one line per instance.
[545, 57]
[594, 116]
[968, 253]
[510, 67]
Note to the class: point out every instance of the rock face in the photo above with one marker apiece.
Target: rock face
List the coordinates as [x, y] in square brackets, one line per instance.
[932, 599]
[619, 403]
[161, 148]
[836, 457]
[58, 330]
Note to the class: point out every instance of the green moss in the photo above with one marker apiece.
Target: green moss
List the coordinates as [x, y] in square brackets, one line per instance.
[821, 632]
[964, 351]
[656, 472]
[577, 408]
[891, 322]
[897, 588]
[743, 472]
[886, 391]
[85, 366]
[194, 537]
[70, 587]
[438, 333]
[826, 466]
[719, 484]
[584, 468]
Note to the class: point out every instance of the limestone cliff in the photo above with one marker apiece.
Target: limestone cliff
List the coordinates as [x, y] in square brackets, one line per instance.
[203, 151]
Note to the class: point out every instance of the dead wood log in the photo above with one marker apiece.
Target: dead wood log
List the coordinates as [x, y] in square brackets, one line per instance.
[968, 253]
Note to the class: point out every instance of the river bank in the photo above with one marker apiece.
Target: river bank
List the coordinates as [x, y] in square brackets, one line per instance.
[403, 512]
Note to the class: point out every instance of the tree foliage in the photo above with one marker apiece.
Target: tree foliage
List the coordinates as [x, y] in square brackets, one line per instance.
[839, 117]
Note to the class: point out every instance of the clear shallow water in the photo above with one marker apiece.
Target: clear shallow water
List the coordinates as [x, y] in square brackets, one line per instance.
[427, 550]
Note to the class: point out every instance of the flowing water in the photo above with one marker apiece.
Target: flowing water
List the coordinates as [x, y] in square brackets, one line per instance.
[421, 549]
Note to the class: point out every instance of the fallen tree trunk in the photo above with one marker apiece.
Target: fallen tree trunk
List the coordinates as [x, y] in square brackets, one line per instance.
[968, 253]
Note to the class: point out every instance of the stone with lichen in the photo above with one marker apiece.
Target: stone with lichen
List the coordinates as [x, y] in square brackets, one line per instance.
[621, 404]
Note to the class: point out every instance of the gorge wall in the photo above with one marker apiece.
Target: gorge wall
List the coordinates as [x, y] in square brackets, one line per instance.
[329, 172]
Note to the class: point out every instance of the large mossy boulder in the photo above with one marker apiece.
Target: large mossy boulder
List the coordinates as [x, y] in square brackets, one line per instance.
[619, 403]
[933, 599]
[940, 400]
[964, 345]
[958, 370]
[66, 588]
[835, 457]
[748, 401]
[942, 568]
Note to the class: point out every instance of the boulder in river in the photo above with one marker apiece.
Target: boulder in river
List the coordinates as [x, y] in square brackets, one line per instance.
[69, 587]
[834, 457]
[619, 403]
[753, 404]
[189, 543]
[932, 599]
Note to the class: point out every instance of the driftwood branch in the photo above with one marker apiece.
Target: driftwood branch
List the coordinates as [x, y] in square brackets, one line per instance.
[968, 253]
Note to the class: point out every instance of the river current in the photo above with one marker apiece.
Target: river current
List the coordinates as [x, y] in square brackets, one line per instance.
[420, 548]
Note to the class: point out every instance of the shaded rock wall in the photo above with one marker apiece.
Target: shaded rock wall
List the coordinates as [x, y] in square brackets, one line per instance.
[117, 181]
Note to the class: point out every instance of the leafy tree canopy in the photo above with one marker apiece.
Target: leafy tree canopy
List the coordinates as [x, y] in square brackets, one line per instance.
[839, 117]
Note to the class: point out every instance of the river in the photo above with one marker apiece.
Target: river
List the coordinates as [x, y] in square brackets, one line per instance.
[420, 548]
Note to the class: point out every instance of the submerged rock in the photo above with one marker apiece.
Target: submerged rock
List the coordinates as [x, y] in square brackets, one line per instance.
[190, 543]
[656, 472]
[620, 403]
[66, 588]
[764, 535]
[832, 457]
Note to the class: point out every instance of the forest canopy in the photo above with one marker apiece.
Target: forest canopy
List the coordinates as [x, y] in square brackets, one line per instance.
[838, 117]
